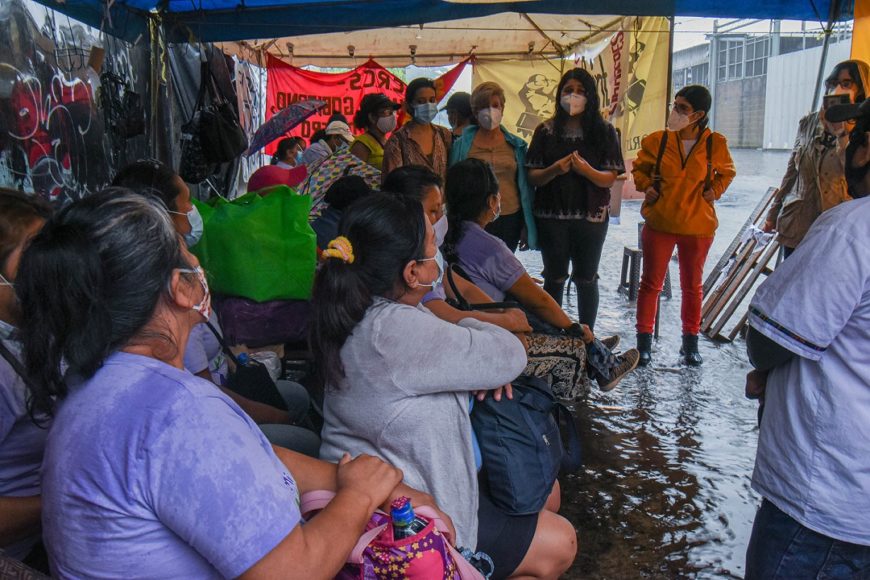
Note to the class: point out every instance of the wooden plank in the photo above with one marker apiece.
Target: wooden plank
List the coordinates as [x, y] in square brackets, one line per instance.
[754, 218]
[736, 300]
[713, 299]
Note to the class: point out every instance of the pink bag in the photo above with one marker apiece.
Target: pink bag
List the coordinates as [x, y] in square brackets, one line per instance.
[428, 555]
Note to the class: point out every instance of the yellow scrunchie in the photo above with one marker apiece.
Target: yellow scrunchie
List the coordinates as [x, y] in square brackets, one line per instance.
[340, 248]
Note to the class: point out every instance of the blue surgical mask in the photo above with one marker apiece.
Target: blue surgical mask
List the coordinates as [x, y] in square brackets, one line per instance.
[425, 112]
[439, 260]
[298, 157]
[196, 226]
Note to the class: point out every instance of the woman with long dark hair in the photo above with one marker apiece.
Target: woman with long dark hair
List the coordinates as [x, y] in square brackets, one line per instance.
[376, 118]
[473, 201]
[419, 141]
[682, 172]
[22, 436]
[398, 379]
[573, 160]
[144, 458]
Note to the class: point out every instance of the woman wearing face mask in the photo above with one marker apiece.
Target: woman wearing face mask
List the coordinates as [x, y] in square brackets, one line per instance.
[420, 184]
[573, 160]
[377, 118]
[472, 204]
[815, 178]
[203, 355]
[694, 170]
[144, 458]
[419, 142]
[398, 379]
[489, 141]
[22, 441]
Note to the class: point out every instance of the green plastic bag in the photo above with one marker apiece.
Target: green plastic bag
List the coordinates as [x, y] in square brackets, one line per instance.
[260, 248]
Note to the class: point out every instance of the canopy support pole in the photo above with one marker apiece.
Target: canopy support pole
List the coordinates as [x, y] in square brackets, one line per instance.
[829, 29]
[670, 67]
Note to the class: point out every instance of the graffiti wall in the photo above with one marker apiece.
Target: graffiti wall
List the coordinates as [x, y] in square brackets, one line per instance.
[72, 104]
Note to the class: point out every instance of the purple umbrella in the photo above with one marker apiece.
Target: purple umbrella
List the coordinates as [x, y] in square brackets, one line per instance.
[282, 122]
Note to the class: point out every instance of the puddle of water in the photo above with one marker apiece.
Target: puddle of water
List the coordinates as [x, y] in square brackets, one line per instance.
[669, 453]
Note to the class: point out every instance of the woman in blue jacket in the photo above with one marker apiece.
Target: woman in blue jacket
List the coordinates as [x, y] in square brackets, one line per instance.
[489, 141]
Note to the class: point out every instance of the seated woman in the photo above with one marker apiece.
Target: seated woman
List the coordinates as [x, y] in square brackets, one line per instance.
[343, 192]
[473, 202]
[143, 457]
[22, 441]
[422, 185]
[204, 356]
[398, 380]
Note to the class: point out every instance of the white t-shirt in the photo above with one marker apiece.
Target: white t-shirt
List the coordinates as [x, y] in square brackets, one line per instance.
[813, 458]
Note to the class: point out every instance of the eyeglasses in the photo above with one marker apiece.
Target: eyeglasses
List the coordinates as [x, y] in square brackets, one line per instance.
[845, 84]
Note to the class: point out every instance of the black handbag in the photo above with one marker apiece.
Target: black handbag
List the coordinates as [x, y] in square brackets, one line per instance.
[221, 135]
[251, 380]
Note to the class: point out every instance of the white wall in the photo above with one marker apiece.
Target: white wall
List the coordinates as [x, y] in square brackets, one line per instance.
[789, 96]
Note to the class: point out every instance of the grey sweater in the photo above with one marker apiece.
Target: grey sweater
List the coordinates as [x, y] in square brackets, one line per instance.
[405, 399]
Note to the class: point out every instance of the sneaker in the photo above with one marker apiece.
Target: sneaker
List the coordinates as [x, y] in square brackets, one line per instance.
[627, 362]
[611, 342]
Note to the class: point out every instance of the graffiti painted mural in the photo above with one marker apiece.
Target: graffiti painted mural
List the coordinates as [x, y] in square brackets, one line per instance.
[60, 135]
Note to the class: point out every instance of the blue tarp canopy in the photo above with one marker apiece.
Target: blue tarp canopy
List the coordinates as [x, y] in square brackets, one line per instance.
[229, 20]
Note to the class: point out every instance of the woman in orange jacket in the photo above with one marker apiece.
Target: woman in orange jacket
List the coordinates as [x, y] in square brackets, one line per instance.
[682, 171]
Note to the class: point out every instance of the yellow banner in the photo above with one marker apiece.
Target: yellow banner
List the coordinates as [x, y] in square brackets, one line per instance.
[530, 91]
[630, 69]
[861, 31]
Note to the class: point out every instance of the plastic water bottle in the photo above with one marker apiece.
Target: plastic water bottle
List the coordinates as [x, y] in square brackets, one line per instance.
[405, 523]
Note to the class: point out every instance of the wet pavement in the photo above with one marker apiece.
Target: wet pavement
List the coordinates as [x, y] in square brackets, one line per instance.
[664, 492]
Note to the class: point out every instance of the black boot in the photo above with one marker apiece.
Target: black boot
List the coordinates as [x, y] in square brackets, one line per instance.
[690, 353]
[644, 347]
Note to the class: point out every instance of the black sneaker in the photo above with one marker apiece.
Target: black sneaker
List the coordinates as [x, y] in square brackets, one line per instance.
[611, 342]
[627, 362]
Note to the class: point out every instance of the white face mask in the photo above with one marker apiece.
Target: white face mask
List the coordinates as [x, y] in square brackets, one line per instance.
[440, 228]
[7, 331]
[573, 104]
[490, 118]
[678, 121]
[386, 124]
[204, 306]
[439, 260]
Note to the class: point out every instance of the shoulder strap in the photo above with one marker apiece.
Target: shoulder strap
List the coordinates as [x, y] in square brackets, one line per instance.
[657, 171]
[708, 178]
[463, 304]
[224, 346]
[13, 362]
[572, 457]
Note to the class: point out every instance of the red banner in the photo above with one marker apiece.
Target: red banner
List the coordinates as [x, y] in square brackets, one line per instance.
[342, 91]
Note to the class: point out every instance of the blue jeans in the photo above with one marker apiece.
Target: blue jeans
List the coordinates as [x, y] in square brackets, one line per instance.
[781, 548]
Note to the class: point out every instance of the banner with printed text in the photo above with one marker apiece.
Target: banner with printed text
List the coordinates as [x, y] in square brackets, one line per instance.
[630, 69]
[342, 92]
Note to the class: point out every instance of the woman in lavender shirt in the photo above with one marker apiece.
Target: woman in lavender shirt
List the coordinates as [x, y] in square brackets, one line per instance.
[149, 470]
[22, 442]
